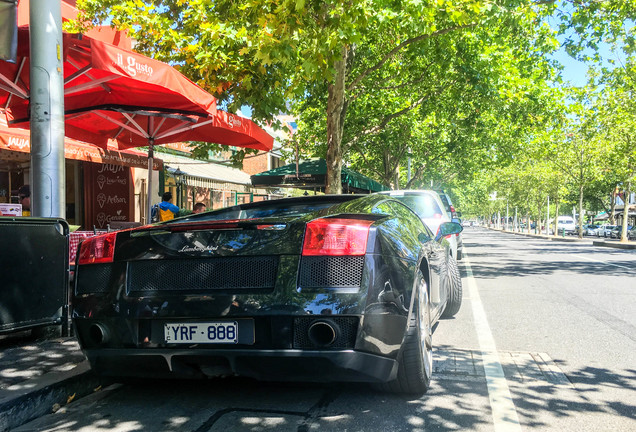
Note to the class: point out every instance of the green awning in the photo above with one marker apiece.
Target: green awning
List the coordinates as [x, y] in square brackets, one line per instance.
[312, 175]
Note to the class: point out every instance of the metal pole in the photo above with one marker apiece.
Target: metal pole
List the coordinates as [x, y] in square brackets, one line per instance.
[151, 145]
[47, 178]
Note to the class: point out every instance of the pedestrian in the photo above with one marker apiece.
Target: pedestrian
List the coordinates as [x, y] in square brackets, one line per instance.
[24, 198]
[166, 209]
[198, 208]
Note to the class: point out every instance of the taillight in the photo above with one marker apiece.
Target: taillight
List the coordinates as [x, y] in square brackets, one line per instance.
[336, 236]
[99, 249]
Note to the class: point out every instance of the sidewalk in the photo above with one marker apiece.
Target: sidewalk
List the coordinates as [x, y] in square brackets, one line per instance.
[573, 239]
[39, 376]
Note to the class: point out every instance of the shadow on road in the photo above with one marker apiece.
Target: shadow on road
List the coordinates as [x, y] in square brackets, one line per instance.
[455, 403]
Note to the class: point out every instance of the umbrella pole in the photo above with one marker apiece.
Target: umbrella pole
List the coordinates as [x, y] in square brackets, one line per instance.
[151, 142]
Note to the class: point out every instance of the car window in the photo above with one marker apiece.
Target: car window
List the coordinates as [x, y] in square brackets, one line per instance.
[405, 212]
[424, 206]
[445, 201]
[404, 226]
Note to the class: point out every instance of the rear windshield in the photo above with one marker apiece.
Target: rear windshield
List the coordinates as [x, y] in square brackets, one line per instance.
[424, 205]
[265, 209]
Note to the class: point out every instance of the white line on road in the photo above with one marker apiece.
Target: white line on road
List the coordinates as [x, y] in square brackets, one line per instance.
[504, 414]
[603, 262]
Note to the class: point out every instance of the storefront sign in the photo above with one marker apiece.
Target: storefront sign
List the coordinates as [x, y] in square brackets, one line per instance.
[19, 140]
[108, 194]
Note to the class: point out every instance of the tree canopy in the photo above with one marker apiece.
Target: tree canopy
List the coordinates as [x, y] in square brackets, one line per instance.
[452, 90]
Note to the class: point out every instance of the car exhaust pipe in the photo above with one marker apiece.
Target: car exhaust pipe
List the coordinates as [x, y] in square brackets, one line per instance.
[323, 333]
[98, 334]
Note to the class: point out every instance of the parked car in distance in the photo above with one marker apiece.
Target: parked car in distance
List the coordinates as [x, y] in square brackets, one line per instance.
[466, 223]
[567, 224]
[430, 208]
[605, 230]
[327, 288]
[454, 215]
[591, 229]
[617, 230]
[631, 234]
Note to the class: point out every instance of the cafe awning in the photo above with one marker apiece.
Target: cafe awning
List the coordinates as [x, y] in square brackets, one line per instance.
[19, 140]
[311, 176]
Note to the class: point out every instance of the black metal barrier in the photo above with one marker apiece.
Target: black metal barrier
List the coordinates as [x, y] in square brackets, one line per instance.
[34, 272]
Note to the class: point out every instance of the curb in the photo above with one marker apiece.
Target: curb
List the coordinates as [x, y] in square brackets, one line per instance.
[631, 245]
[600, 243]
[22, 403]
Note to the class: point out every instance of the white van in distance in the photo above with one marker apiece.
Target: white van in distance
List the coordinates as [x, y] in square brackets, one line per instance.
[566, 223]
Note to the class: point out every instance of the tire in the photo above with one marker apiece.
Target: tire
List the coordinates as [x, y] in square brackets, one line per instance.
[454, 285]
[460, 254]
[415, 360]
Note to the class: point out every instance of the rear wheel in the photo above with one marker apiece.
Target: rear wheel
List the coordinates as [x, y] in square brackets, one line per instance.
[454, 285]
[415, 361]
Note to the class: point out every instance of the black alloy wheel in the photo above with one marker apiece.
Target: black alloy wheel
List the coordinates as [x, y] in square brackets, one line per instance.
[415, 361]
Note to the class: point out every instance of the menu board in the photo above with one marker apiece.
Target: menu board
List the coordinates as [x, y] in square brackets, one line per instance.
[108, 192]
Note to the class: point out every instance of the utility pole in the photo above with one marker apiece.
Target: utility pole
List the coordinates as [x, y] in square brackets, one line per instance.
[46, 99]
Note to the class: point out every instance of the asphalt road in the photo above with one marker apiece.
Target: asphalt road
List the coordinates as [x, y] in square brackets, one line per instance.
[545, 341]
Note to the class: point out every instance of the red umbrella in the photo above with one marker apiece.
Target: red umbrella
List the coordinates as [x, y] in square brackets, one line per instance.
[113, 93]
[97, 74]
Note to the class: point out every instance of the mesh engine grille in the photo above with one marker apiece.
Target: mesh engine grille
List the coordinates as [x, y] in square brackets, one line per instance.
[94, 278]
[346, 338]
[244, 273]
[331, 272]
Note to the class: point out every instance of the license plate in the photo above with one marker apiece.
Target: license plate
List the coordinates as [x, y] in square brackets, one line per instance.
[207, 332]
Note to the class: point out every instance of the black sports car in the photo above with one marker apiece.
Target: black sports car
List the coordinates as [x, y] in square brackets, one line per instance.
[319, 288]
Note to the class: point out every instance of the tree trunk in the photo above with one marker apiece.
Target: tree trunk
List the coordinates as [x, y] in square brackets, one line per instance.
[612, 218]
[556, 217]
[580, 233]
[335, 124]
[628, 192]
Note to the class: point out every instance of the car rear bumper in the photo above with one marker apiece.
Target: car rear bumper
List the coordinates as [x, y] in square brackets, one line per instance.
[265, 365]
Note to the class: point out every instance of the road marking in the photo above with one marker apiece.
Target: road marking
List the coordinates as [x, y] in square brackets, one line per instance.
[603, 262]
[504, 414]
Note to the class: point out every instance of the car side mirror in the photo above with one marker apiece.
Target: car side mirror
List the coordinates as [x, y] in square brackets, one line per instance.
[448, 228]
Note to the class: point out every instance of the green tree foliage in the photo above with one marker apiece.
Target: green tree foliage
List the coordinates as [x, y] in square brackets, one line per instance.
[618, 118]
[436, 80]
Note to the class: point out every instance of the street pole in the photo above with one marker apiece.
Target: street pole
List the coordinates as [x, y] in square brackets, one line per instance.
[47, 175]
